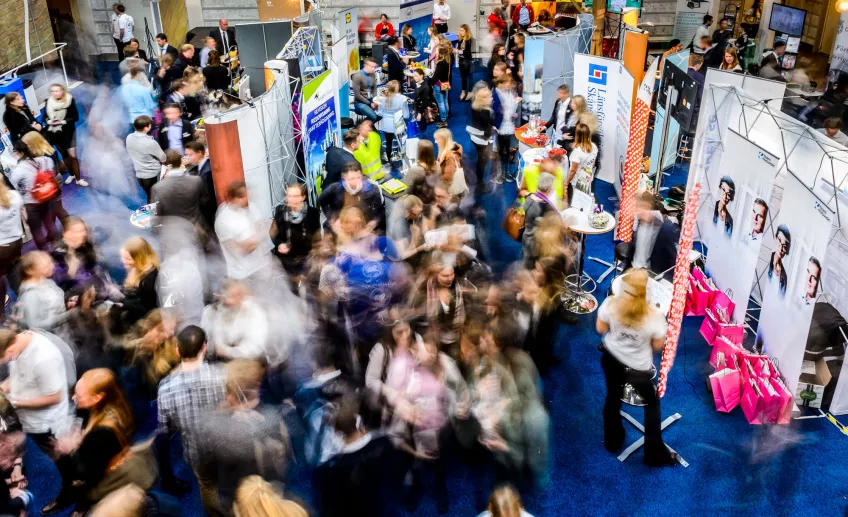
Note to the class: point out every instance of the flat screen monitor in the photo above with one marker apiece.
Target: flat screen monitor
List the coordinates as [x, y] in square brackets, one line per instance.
[787, 20]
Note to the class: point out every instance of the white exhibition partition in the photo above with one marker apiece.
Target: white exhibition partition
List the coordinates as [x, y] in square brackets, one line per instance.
[608, 88]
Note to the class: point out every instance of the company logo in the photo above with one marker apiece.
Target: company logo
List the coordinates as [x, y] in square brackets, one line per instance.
[766, 158]
[598, 74]
[409, 12]
[347, 18]
[822, 210]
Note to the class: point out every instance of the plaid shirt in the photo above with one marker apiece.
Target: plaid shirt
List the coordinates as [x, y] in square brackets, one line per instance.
[184, 398]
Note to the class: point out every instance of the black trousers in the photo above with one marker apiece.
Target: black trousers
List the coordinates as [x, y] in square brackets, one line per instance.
[441, 28]
[147, 185]
[484, 152]
[465, 67]
[617, 374]
[120, 44]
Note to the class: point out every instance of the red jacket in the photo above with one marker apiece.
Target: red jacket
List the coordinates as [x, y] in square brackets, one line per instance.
[379, 29]
[496, 21]
[516, 10]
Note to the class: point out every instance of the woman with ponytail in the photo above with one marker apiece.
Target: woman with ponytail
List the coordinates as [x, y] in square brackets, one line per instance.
[632, 330]
[256, 497]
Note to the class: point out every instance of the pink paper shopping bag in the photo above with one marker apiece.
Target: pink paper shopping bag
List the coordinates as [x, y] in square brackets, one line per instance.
[722, 305]
[724, 353]
[785, 413]
[771, 400]
[726, 389]
[751, 402]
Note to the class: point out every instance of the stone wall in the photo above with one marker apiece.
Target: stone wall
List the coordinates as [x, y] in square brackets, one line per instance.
[12, 48]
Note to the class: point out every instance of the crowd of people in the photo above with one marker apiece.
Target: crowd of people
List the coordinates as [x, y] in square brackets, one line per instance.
[361, 346]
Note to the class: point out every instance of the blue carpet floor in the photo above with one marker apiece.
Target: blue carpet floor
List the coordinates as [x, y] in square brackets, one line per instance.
[735, 468]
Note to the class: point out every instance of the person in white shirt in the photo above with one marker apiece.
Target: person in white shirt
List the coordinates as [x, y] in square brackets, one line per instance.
[632, 330]
[582, 159]
[236, 327]
[243, 235]
[126, 24]
[208, 46]
[833, 129]
[37, 385]
[116, 32]
[703, 30]
[441, 15]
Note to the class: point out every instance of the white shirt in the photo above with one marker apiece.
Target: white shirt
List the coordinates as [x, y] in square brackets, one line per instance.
[116, 31]
[441, 13]
[239, 225]
[126, 22]
[225, 40]
[560, 119]
[644, 245]
[584, 161]
[37, 372]
[696, 40]
[840, 137]
[240, 333]
[10, 219]
[632, 346]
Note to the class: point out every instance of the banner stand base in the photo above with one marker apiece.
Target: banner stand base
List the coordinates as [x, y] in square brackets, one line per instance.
[609, 270]
[635, 446]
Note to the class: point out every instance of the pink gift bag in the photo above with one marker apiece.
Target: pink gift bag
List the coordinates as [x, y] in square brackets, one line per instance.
[752, 400]
[725, 353]
[697, 300]
[771, 400]
[713, 327]
[785, 413]
[726, 389]
[722, 306]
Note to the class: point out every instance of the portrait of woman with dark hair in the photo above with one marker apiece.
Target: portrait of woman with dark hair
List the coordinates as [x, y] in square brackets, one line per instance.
[726, 194]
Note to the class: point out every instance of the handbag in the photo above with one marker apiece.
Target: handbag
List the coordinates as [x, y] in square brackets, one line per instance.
[135, 465]
[752, 400]
[726, 389]
[513, 223]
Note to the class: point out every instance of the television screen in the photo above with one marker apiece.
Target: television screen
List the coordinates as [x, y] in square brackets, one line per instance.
[787, 20]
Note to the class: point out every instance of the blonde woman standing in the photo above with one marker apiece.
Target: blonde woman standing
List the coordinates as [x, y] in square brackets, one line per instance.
[61, 118]
[139, 289]
[480, 131]
[392, 104]
[450, 162]
[632, 331]
[582, 161]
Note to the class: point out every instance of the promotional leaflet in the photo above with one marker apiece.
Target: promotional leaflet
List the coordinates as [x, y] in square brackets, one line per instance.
[320, 123]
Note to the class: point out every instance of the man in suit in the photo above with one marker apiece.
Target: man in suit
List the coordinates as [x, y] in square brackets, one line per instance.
[655, 238]
[164, 47]
[338, 158]
[225, 37]
[200, 166]
[178, 195]
[175, 131]
[561, 113]
[189, 104]
[397, 63]
[772, 62]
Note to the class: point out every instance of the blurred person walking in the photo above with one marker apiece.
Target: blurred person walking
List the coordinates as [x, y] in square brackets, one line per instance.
[41, 303]
[505, 502]
[256, 497]
[243, 235]
[236, 326]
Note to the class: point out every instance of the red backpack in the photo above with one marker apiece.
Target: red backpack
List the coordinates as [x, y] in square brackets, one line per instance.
[44, 188]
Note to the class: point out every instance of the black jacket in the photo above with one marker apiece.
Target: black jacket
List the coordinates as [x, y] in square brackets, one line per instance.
[337, 158]
[190, 105]
[553, 120]
[209, 203]
[664, 254]
[480, 129]
[396, 65]
[219, 44]
[170, 49]
[365, 481]
[299, 236]
[18, 123]
[369, 199]
[188, 133]
[464, 50]
[64, 138]
[442, 73]
[409, 43]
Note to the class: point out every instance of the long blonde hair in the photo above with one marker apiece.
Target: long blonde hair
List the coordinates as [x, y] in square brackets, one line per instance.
[467, 30]
[480, 102]
[631, 307]
[145, 259]
[37, 145]
[446, 137]
[255, 497]
[392, 89]
[504, 502]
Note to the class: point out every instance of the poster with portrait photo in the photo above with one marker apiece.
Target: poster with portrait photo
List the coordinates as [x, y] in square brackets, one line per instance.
[791, 279]
[739, 217]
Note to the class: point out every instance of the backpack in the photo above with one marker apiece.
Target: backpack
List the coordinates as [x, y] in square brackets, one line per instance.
[45, 187]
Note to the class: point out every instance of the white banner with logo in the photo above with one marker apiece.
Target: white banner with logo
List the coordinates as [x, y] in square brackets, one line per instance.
[839, 56]
[689, 16]
[740, 216]
[791, 279]
[608, 88]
